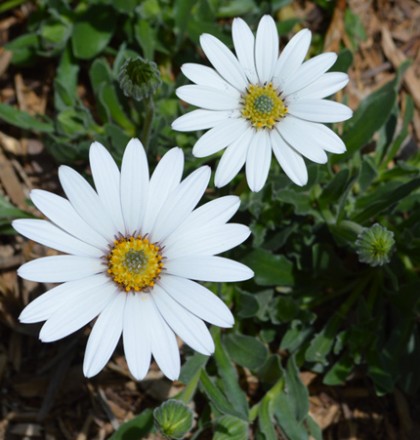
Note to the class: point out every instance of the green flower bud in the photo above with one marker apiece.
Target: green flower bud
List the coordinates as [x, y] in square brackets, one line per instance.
[374, 245]
[139, 78]
[173, 418]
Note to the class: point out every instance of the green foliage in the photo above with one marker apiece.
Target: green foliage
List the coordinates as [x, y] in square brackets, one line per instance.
[312, 304]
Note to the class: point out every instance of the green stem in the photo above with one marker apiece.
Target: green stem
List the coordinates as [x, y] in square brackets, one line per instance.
[148, 122]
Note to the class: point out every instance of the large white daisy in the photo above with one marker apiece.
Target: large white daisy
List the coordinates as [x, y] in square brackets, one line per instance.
[133, 246]
[259, 102]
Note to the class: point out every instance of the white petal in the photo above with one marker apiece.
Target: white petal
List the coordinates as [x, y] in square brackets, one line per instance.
[61, 212]
[73, 315]
[205, 268]
[198, 300]
[138, 327]
[219, 137]
[213, 213]
[258, 161]
[181, 201]
[86, 202]
[233, 158]
[224, 61]
[209, 241]
[49, 235]
[60, 268]
[291, 57]
[208, 97]
[162, 339]
[206, 76]
[328, 84]
[200, 120]
[320, 110]
[43, 307]
[187, 326]
[134, 185]
[104, 336]
[244, 42]
[291, 161]
[106, 176]
[165, 178]
[309, 72]
[266, 48]
[293, 131]
[324, 137]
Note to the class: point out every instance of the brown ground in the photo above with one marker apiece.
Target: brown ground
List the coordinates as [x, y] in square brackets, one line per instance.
[42, 394]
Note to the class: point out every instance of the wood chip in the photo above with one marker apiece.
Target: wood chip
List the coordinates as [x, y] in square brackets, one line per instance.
[396, 57]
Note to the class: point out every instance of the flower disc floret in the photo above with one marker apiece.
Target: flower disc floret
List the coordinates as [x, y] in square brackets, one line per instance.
[262, 106]
[134, 263]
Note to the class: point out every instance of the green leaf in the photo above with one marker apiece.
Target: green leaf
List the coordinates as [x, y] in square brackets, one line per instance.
[344, 61]
[65, 82]
[295, 336]
[216, 396]
[10, 212]
[266, 419]
[380, 201]
[340, 371]
[334, 189]
[23, 120]
[283, 309]
[246, 351]
[93, 30]
[231, 428]
[247, 305]
[322, 343]
[136, 428]
[270, 269]
[235, 8]
[229, 376]
[146, 37]
[190, 375]
[284, 412]
[395, 146]
[173, 418]
[313, 428]
[370, 116]
[23, 49]
[109, 98]
[271, 371]
[297, 392]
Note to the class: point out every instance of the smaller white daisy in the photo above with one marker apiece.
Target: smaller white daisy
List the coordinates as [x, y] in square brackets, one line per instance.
[135, 245]
[260, 102]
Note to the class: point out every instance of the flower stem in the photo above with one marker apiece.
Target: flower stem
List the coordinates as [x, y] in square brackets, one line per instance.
[148, 122]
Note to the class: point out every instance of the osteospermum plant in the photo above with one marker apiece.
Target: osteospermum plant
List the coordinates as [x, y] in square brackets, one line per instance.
[133, 248]
[260, 102]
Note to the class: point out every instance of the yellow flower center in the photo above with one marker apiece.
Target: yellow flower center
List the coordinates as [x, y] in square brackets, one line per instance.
[262, 106]
[134, 263]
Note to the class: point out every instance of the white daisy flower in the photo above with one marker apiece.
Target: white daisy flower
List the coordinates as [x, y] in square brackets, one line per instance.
[134, 246]
[259, 102]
